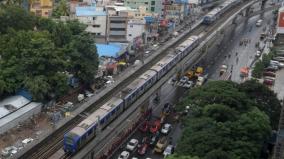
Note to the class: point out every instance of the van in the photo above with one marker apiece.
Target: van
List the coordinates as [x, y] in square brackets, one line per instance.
[258, 23]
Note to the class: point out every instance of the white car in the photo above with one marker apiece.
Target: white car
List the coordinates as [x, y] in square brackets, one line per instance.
[188, 84]
[124, 155]
[166, 128]
[169, 150]
[132, 144]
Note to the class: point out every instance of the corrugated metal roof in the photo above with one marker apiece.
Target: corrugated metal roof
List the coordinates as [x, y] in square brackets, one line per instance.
[11, 104]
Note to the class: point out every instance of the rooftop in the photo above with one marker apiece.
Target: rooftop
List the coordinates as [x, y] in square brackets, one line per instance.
[12, 104]
[89, 11]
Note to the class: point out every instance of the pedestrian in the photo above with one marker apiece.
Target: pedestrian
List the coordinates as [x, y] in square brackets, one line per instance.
[237, 60]
[236, 53]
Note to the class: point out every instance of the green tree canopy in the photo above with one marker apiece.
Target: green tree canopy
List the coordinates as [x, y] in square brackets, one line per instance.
[36, 53]
[227, 123]
[62, 9]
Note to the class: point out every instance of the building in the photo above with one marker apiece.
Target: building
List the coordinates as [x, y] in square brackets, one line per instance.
[153, 6]
[95, 19]
[16, 109]
[117, 24]
[175, 10]
[41, 7]
[135, 28]
[139, 13]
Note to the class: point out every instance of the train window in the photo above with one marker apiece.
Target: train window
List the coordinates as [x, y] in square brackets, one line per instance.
[90, 132]
[112, 112]
[84, 137]
[102, 121]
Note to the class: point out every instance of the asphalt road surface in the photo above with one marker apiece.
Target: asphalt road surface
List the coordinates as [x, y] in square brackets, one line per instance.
[235, 56]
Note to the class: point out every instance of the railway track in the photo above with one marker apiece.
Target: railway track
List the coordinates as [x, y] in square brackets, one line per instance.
[54, 142]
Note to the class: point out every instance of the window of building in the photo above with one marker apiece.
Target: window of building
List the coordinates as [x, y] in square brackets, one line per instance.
[98, 33]
[146, 8]
[129, 34]
[96, 26]
[146, 3]
[152, 2]
[94, 18]
[152, 9]
[117, 29]
[131, 26]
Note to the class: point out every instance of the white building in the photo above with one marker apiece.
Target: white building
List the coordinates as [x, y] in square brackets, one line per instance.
[135, 28]
[95, 19]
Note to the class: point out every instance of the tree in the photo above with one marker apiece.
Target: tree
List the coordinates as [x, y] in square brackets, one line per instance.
[30, 60]
[84, 58]
[181, 157]
[16, 18]
[265, 99]
[61, 10]
[227, 125]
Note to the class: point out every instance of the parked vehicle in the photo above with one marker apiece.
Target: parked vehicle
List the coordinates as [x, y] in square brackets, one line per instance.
[169, 150]
[273, 67]
[201, 80]
[259, 23]
[155, 126]
[271, 74]
[143, 149]
[166, 129]
[269, 69]
[279, 58]
[161, 145]
[144, 127]
[269, 78]
[124, 155]
[268, 82]
[154, 138]
[132, 144]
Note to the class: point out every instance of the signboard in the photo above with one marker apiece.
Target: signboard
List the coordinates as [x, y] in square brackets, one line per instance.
[280, 22]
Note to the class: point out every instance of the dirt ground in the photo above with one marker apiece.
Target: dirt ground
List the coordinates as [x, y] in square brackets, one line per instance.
[31, 128]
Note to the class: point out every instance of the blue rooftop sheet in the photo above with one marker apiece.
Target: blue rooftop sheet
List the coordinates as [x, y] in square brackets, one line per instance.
[109, 50]
[89, 11]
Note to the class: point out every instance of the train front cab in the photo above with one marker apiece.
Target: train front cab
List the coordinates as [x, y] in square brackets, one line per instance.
[70, 143]
[207, 20]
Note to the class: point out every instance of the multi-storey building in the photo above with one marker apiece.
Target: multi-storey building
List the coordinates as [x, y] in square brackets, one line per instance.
[154, 6]
[41, 7]
[95, 19]
[135, 28]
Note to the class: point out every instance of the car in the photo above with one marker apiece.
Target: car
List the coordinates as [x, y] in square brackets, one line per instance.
[269, 78]
[124, 155]
[259, 22]
[268, 82]
[161, 145]
[169, 150]
[188, 84]
[144, 127]
[166, 129]
[132, 144]
[184, 79]
[143, 149]
[272, 67]
[154, 138]
[155, 126]
[271, 74]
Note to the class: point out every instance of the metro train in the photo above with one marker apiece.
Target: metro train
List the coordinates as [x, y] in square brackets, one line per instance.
[213, 15]
[85, 131]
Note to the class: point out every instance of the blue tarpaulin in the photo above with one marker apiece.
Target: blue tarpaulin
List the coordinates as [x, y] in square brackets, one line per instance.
[109, 50]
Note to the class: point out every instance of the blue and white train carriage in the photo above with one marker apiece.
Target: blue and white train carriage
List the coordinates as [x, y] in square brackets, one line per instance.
[86, 130]
[137, 87]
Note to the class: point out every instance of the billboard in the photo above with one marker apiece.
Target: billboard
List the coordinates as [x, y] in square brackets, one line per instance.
[280, 22]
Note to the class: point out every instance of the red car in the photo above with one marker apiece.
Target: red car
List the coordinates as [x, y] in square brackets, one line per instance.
[155, 127]
[143, 149]
[268, 82]
[144, 127]
[271, 74]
